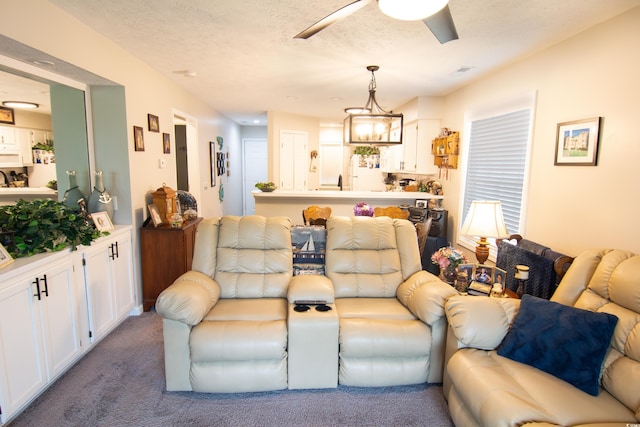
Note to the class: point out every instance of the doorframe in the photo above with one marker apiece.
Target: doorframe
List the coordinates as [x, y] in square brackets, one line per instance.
[193, 152]
[244, 174]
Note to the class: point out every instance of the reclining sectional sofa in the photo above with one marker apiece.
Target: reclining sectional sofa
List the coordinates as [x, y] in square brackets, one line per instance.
[231, 324]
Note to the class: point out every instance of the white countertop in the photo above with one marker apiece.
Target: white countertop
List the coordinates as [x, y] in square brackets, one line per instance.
[360, 195]
[18, 191]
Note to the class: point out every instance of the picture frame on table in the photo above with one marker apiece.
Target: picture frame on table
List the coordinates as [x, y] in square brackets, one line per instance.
[7, 116]
[5, 257]
[421, 203]
[153, 122]
[154, 213]
[577, 142]
[102, 221]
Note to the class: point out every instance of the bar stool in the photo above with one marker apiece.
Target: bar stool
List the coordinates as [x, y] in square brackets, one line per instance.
[315, 215]
[391, 211]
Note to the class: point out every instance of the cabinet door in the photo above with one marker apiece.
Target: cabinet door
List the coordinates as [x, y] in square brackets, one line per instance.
[59, 317]
[23, 136]
[100, 294]
[409, 146]
[122, 273]
[293, 160]
[22, 359]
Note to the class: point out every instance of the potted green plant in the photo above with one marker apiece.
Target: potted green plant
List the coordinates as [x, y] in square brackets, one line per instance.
[366, 150]
[45, 226]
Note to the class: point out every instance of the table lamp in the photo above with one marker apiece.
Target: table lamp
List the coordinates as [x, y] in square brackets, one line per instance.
[484, 220]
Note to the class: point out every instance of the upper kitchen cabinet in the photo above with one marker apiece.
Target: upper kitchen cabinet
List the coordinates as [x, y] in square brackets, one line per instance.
[414, 155]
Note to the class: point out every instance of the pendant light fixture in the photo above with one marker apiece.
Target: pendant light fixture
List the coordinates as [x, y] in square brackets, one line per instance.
[371, 124]
[411, 10]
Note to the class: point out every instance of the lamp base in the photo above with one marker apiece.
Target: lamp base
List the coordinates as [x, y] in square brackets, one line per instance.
[482, 250]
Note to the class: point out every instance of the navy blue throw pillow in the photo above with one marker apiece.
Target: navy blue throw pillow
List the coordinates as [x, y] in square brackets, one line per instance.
[566, 342]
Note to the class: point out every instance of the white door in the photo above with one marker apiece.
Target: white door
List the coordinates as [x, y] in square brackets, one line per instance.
[293, 160]
[254, 166]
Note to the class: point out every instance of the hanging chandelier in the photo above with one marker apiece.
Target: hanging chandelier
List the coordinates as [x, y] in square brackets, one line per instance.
[371, 124]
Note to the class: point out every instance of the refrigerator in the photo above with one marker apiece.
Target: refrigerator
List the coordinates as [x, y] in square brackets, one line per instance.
[366, 174]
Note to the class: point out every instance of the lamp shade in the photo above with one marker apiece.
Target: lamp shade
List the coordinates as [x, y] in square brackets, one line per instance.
[485, 219]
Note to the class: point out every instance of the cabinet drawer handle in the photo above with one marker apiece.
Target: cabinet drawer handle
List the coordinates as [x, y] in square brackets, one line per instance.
[37, 283]
[46, 288]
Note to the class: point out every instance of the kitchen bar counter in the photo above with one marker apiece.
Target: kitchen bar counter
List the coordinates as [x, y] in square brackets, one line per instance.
[10, 195]
[291, 203]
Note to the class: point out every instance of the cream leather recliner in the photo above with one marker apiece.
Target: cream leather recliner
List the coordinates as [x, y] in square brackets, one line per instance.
[486, 389]
[225, 321]
[391, 313]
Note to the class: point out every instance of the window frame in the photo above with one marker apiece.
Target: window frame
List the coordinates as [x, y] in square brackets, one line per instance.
[516, 103]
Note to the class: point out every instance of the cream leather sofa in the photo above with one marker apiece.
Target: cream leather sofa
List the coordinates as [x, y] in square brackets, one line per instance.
[225, 321]
[392, 327]
[486, 389]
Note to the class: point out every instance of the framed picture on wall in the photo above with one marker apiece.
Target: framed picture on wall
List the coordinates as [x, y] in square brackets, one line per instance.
[212, 162]
[154, 123]
[138, 138]
[577, 142]
[166, 143]
[6, 116]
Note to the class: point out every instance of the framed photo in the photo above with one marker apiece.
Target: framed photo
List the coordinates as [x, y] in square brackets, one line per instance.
[166, 143]
[467, 269]
[500, 277]
[5, 257]
[421, 203]
[154, 123]
[483, 274]
[577, 142]
[138, 138]
[212, 162]
[6, 116]
[155, 215]
[102, 221]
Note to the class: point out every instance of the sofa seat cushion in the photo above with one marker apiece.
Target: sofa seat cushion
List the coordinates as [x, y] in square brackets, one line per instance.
[502, 392]
[372, 308]
[248, 309]
[236, 340]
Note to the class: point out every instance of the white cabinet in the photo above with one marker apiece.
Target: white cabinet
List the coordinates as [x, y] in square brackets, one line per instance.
[293, 160]
[414, 155]
[39, 332]
[108, 271]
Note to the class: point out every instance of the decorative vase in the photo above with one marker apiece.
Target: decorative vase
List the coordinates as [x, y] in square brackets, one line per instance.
[99, 199]
[73, 197]
[449, 275]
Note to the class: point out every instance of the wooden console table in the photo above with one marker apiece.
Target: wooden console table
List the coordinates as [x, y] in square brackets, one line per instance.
[166, 254]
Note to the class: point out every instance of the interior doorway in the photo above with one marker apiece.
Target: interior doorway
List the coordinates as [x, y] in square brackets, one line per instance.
[187, 163]
[254, 166]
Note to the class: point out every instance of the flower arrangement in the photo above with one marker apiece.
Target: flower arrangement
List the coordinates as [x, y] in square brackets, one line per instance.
[448, 258]
[362, 209]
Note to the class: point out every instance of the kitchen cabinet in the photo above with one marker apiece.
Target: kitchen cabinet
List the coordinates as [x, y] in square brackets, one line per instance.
[39, 332]
[108, 273]
[166, 253]
[414, 155]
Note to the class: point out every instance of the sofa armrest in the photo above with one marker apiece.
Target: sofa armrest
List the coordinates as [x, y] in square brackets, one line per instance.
[480, 322]
[310, 287]
[189, 298]
[424, 294]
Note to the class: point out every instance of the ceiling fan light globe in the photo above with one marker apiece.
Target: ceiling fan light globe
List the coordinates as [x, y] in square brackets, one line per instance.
[411, 10]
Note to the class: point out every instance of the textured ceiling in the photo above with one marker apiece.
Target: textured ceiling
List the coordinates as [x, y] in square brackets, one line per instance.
[247, 61]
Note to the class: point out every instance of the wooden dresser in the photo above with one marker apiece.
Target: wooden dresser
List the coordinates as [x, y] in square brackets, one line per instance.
[166, 253]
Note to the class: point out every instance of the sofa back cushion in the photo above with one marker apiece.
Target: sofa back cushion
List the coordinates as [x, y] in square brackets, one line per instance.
[249, 256]
[608, 281]
[370, 257]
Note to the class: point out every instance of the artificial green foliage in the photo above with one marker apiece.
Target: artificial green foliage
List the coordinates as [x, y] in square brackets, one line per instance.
[45, 226]
[366, 150]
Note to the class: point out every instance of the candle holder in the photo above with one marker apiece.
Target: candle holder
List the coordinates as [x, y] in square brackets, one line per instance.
[522, 275]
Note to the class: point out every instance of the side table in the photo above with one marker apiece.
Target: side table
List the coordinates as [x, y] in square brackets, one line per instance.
[166, 253]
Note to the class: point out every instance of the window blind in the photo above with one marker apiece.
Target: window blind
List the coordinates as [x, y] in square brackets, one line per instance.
[497, 159]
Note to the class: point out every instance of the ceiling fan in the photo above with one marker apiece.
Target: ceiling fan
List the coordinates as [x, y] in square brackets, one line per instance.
[440, 23]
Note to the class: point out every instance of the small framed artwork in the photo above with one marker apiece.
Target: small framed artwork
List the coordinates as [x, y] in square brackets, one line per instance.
[138, 138]
[5, 257]
[154, 123]
[166, 143]
[483, 274]
[577, 142]
[6, 116]
[212, 162]
[421, 203]
[500, 277]
[102, 221]
[155, 215]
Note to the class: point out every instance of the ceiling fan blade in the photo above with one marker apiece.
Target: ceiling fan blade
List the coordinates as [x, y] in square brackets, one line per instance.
[442, 26]
[330, 19]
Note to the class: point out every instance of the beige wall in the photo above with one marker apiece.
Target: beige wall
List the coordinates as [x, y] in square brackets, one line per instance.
[42, 26]
[571, 208]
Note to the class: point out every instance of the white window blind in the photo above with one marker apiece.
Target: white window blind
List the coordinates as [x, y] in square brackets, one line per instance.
[497, 160]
